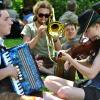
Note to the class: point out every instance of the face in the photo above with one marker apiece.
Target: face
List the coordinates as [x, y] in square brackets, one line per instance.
[5, 23]
[92, 31]
[43, 15]
[70, 31]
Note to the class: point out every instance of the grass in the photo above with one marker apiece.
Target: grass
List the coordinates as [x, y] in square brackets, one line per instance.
[13, 42]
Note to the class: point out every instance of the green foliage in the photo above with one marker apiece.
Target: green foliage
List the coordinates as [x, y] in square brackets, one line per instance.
[60, 5]
[13, 42]
[85, 4]
[17, 5]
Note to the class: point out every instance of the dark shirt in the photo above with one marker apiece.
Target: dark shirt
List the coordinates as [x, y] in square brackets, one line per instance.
[94, 82]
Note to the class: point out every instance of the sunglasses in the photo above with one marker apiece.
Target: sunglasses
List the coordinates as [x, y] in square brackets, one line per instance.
[45, 15]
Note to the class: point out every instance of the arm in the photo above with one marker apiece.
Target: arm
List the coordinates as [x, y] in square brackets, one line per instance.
[32, 42]
[3, 73]
[89, 72]
[57, 44]
[85, 62]
[27, 32]
[8, 71]
[49, 71]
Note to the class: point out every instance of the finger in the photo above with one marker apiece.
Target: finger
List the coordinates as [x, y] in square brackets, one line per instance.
[37, 56]
[60, 55]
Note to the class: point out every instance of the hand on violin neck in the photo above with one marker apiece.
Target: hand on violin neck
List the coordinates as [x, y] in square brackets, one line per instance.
[63, 55]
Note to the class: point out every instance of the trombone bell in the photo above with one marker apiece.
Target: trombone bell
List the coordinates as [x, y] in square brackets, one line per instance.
[55, 29]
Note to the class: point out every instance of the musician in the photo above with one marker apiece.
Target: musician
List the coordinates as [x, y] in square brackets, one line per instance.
[6, 92]
[35, 35]
[5, 25]
[89, 22]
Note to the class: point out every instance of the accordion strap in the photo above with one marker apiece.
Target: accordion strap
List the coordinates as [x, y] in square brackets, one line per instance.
[2, 48]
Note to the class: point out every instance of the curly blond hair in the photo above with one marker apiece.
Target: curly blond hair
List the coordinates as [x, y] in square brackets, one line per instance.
[42, 4]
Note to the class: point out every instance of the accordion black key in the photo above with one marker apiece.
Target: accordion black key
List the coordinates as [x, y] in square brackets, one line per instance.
[29, 80]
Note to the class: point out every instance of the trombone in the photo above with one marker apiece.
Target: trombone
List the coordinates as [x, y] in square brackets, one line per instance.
[55, 29]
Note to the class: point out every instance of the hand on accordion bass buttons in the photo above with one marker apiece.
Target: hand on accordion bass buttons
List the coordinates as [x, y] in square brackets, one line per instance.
[39, 61]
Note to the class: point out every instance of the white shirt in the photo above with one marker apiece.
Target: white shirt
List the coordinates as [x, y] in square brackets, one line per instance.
[1, 41]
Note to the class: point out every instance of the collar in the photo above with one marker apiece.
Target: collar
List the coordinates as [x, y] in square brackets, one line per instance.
[1, 41]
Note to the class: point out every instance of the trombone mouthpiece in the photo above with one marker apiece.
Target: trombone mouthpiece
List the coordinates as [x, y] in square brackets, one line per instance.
[44, 22]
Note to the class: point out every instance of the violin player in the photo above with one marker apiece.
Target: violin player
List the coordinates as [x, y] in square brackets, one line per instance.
[89, 22]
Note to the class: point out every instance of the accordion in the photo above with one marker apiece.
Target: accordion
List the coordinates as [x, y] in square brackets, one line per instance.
[29, 80]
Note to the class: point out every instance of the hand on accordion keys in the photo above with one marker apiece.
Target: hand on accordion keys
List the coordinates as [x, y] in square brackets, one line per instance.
[40, 64]
[39, 61]
[12, 71]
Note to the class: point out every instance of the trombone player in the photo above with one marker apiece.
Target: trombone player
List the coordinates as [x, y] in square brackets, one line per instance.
[35, 35]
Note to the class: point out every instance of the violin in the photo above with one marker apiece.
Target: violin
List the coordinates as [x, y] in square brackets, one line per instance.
[82, 50]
